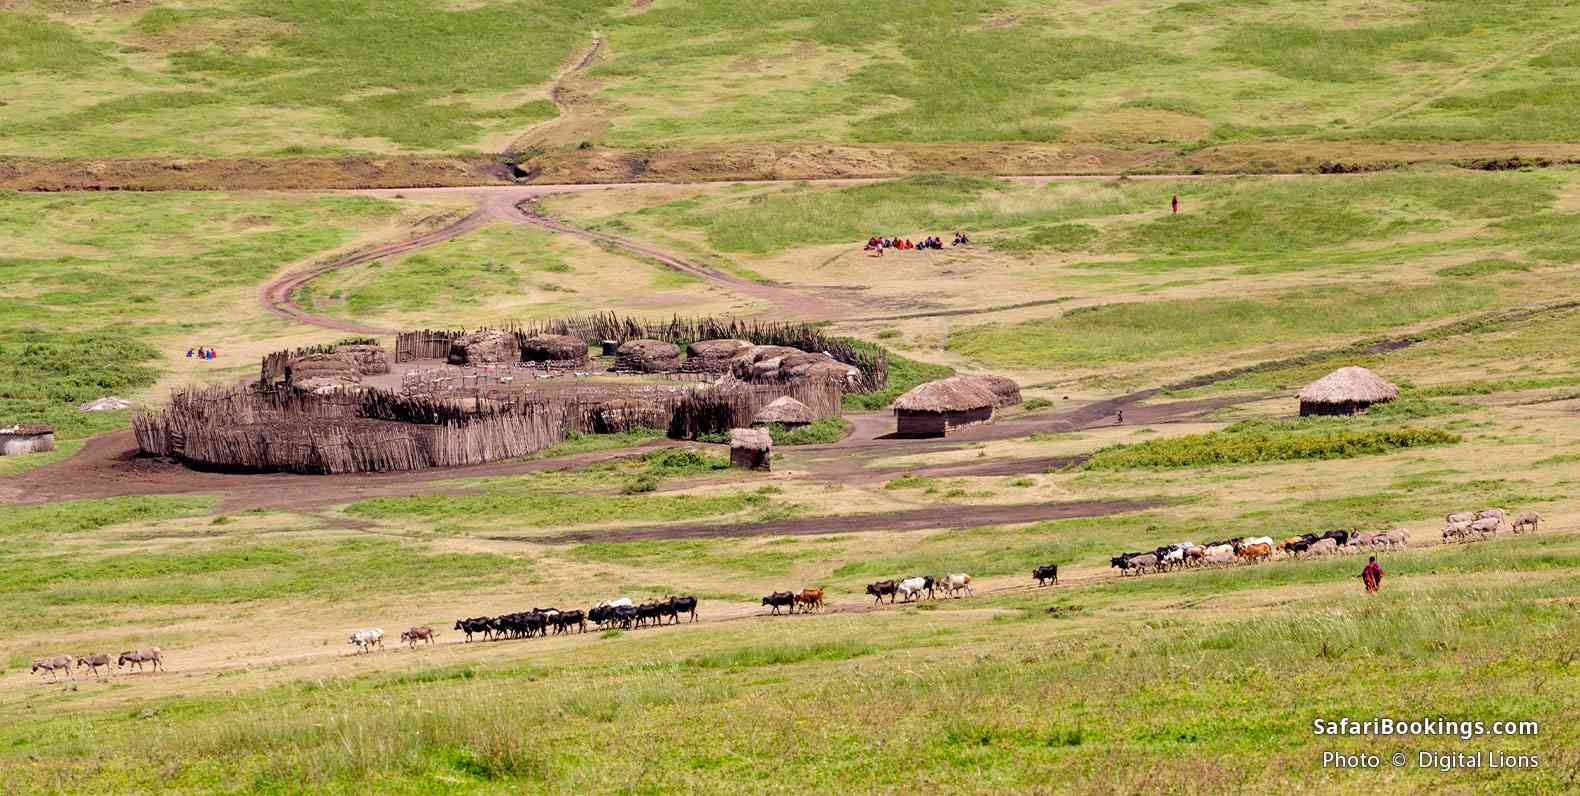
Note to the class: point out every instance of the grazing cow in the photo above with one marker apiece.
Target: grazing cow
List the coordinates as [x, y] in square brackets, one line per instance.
[810, 600]
[1253, 553]
[1486, 526]
[882, 587]
[624, 615]
[1221, 556]
[1046, 574]
[1496, 514]
[1321, 547]
[93, 662]
[151, 655]
[784, 599]
[416, 634]
[1340, 537]
[1458, 517]
[911, 588]
[1527, 520]
[363, 640]
[53, 667]
[954, 584]
[477, 624]
[1397, 537]
[687, 605]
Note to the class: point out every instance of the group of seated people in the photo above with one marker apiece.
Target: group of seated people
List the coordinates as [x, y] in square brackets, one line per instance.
[877, 244]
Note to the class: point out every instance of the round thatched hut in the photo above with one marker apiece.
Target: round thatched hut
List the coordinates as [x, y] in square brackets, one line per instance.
[1345, 391]
[647, 356]
[785, 411]
[1004, 389]
[485, 347]
[26, 438]
[557, 349]
[320, 369]
[751, 448]
[712, 356]
[939, 407]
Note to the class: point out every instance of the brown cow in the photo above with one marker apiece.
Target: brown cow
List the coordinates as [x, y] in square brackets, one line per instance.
[1253, 553]
[416, 634]
[810, 600]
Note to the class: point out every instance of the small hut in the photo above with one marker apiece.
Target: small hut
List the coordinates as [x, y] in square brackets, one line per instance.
[486, 347]
[1345, 391]
[322, 369]
[750, 448]
[26, 438]
[939, 407]
[1004, 389]
[647, 356]
[555, 349]
[786, 412]
[712, 356]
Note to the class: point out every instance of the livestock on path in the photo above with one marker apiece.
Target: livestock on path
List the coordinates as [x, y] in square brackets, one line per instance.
[93, 662]
[416, 634]
[881, 588]
[366, 640]
[781, 599]
[53, 666]
[1046, 574]
[138, 658]
[1527, 521]
[952, 585]
[810, 600]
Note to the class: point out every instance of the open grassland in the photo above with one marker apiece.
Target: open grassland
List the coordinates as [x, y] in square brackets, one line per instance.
[1251, 269]
[169, 78]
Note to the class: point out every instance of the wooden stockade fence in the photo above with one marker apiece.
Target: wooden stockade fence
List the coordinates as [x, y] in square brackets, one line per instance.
[368, 430]
[594, 328]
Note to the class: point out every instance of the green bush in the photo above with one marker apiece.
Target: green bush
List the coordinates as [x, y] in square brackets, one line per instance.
[829, 429]
[1233, 446]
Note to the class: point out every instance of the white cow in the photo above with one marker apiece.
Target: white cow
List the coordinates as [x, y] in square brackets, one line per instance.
[366, 640]
[1267, 540]
[623, 602]
[911, 588]
[1220, 556]
[954, 584]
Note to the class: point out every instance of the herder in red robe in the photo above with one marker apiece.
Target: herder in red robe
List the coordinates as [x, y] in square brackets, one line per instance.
[1372, 575]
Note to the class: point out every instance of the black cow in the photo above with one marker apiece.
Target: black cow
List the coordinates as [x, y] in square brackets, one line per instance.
[624, 615]
[565, 620]
[782, 599]
[600, 615]
[477, 624]
[1340, 536]
[882, 587]
[649, 613]
[683, 605]
[1045, 574]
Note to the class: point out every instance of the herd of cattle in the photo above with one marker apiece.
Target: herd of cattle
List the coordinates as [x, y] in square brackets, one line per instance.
[1471, 526]
[621, 613]
[52, 667]
[1256, 549]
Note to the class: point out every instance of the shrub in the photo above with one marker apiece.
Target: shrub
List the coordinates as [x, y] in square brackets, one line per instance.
[1243, 447]
[829, 429]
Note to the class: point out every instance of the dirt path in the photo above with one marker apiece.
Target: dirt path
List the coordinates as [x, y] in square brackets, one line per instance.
[559, 96]
[917, 520]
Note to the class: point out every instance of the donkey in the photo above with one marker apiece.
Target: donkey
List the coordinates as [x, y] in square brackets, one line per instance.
[53, 666]
[93, 662]
[139, 657]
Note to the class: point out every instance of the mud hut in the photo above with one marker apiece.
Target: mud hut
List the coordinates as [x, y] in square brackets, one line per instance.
[370, 360]
[751, 448]
[26, 438]
[647, 356]
[1004, 389]
[556, 349]
[1345, 391]
[486, 347]
[785, 411]
[712, 356]
[939, 407]
[319, 369]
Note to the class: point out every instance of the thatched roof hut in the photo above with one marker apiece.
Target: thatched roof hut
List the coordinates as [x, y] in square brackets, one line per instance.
[370, 360]
[485, 347]
[1345, 391]
[939, 407]
[1003, 388]
[26, 438]
[785, 411]
[557, 348]
[713, 356]
[323, 368]
[647, 356]
[751, 448]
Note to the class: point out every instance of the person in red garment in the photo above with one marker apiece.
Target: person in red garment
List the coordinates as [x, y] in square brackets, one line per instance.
[1176, 204]
[1372, 575]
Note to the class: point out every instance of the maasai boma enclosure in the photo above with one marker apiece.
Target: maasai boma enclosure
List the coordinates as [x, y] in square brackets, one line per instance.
[453, 398]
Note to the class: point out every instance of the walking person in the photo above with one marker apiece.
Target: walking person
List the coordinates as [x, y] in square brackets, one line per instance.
[1176, 204]
[1121, 420]
[1372, 576]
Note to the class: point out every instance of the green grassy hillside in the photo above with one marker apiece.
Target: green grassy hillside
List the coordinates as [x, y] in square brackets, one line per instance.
[236, 77]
